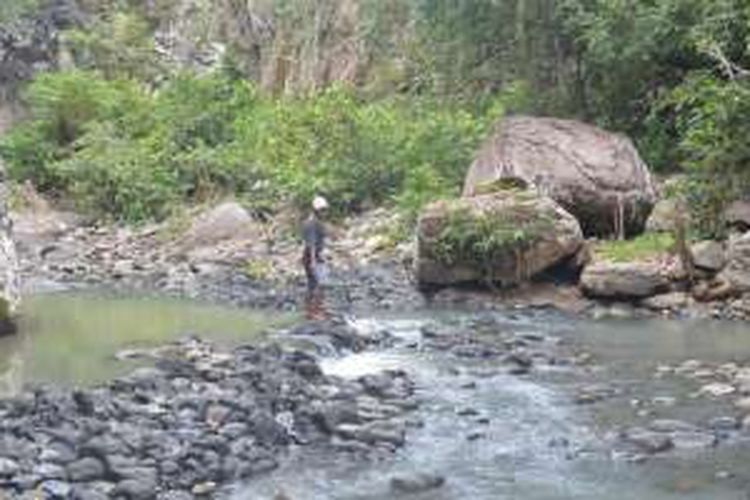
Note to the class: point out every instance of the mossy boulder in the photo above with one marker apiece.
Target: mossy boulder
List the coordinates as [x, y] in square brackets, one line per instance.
[505, 238]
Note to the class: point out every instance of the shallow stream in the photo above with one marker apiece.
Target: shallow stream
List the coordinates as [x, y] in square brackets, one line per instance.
[523, 438]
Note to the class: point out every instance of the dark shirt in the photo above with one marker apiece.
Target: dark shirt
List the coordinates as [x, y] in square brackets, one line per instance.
[314, 235]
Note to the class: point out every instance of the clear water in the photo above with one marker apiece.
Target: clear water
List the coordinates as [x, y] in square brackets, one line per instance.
[72, 338]
[514, 459]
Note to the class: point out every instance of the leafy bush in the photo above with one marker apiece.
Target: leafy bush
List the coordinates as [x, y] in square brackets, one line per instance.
[126, 152]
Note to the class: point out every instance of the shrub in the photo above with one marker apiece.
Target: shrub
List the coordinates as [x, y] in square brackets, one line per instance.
[643, 247]
[129, 153]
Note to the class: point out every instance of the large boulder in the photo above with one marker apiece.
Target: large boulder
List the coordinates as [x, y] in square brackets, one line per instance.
[505, 237]
[623, 280]
[595, 175]
[10, 290]
[226, 221]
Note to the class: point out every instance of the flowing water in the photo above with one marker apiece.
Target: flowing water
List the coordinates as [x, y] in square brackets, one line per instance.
[538, 444]
[73, 338]
[535, 444]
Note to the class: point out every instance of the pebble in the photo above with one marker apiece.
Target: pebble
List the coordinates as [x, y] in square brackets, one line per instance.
[417, 483]
[86, 469]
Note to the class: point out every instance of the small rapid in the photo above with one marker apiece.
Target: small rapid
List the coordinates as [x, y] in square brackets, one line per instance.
[493, 435]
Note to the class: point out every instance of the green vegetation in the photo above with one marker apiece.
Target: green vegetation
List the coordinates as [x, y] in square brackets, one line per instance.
[126, 152]
[377, 101]
[643, 247]
[483, 239]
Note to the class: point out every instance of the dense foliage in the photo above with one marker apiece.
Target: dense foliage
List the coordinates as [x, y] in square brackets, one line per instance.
[378, 100]
[124, 151]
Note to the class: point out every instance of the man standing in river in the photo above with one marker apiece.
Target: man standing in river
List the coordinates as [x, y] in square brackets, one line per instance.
[313, 237]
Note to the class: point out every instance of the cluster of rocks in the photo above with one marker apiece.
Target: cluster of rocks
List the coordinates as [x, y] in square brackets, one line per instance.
[726, 385]
[221, 253]
[720, 287]
[199, 420]
[723, 383]
[569, 179]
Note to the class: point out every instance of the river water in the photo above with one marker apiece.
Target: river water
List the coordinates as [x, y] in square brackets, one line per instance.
[72, 338]
[534, 442]
[524, 438]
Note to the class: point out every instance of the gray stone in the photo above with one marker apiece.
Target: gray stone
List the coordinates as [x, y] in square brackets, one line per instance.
[693, 440]
[596, 175]
[225, 221]
[86, 469]
[649, 441]
[709, 255]
[625, 280]
[50, 471]
[54, 489]
[417, 483]
[138, 488]
[725, 423]
[737, 271]
[665, 216]
[8, 467]
[673, 301]
[737, 215]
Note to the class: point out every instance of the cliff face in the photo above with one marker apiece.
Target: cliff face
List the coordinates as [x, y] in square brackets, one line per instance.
[29, 45]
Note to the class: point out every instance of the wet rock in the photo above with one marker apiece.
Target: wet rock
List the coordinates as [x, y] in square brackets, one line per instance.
[467, 412]
[374, 432]
[376, 385]
[141, 488]
[56, 489]
[8, 468]
[648, 441]
[176, 495]
[693, 440]
[717, 389]
[86, 469]
[417, 483]
[669, 426]
[50, 471]
[203, 489]
[724, 423]
[475, 436]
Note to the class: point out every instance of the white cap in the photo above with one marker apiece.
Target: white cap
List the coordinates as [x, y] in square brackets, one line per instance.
[319, 203]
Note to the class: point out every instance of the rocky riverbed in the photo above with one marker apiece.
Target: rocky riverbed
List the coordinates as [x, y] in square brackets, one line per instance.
[198, 419]
[469, 382]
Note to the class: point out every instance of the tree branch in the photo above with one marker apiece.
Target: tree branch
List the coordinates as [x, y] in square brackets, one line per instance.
[732, 70]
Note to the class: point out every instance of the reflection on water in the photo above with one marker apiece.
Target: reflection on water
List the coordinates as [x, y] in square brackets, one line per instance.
[666, 340]
[72, 338]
